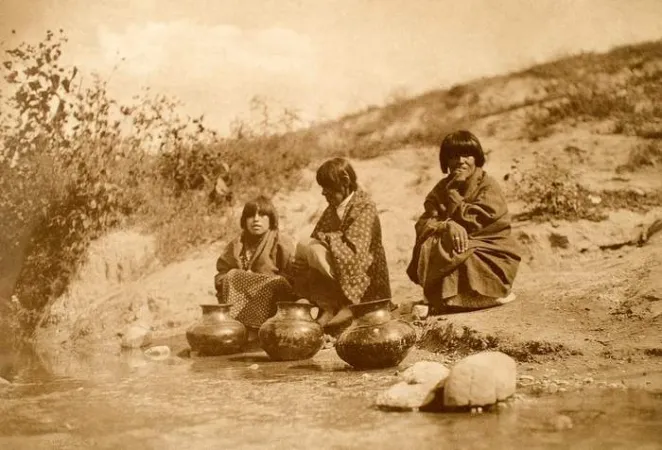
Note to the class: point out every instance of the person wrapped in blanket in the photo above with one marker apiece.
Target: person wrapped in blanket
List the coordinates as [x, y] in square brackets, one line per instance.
[253, 270]
[343, 262]
[464, 256]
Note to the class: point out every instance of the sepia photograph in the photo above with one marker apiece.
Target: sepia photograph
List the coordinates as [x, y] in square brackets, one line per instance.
[330, 224]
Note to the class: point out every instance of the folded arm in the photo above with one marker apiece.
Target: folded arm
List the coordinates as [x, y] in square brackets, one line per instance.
[487, 206]
[350, 248]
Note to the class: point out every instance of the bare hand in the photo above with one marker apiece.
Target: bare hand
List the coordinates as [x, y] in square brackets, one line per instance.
[458, 236]
[439, 226]
[454, 182]
[298, 267]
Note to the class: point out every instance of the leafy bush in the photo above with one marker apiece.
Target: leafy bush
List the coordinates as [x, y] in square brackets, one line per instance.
[73, 163]
[550, 191]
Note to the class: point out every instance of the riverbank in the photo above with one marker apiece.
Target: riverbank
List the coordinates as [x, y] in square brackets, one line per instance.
[588, 299]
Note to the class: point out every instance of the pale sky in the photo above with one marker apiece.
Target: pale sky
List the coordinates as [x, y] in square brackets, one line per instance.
[321, 57]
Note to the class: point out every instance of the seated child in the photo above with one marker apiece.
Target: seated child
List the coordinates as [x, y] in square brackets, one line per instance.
[252, 271]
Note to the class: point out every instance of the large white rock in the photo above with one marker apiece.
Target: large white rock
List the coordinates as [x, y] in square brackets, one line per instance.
[425, 372]
[480, 379]
[405, 396]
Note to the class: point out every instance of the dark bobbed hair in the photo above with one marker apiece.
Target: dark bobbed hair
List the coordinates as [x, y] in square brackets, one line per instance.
[460, 143]
[263, 206]
[331, 173]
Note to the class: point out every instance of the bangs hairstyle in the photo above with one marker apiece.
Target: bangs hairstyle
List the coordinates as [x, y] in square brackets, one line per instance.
[332, 173]
[460, 143]
[263, 207]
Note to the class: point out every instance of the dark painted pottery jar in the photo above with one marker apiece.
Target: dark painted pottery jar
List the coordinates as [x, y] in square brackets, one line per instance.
[291, 334]
[217, 333]
[375, 339]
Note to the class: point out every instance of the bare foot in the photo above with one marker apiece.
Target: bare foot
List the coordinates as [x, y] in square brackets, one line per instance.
[420, 312]
[344, 315]
[324, 316]
[252, 334]
[329, 341]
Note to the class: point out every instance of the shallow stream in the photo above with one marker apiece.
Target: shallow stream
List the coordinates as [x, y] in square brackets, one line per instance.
[111, 401]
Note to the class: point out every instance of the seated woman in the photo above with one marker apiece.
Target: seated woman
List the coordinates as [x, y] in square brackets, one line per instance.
[464, 257]
[252, 271]
[343, 262]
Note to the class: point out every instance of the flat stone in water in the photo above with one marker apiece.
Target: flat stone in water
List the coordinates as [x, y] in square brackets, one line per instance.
[405, 396]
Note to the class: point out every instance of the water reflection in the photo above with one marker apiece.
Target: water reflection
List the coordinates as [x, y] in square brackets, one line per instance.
[124, 400]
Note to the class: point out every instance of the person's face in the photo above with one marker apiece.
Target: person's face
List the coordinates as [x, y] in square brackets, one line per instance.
[258, 224]
[462, 166]
[335, 196]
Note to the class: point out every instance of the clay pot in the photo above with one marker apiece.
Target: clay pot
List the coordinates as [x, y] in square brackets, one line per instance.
[217, 333]
[375, 339]
[291, 334]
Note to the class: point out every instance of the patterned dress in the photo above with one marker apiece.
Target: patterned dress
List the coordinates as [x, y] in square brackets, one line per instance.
[252, 282]
[484, 273]
[357, 253]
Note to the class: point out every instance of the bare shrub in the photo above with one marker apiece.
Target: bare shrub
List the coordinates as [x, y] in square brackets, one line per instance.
[648, 154]
[14, 319]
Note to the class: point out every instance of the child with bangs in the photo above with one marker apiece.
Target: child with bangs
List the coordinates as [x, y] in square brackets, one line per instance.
[253, 270]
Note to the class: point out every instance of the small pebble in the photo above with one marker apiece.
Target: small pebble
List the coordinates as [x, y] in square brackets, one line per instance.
[526, 380]
[420, 311]
[253, 366]
[588, 380]
[158, 353]
[562, 422]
